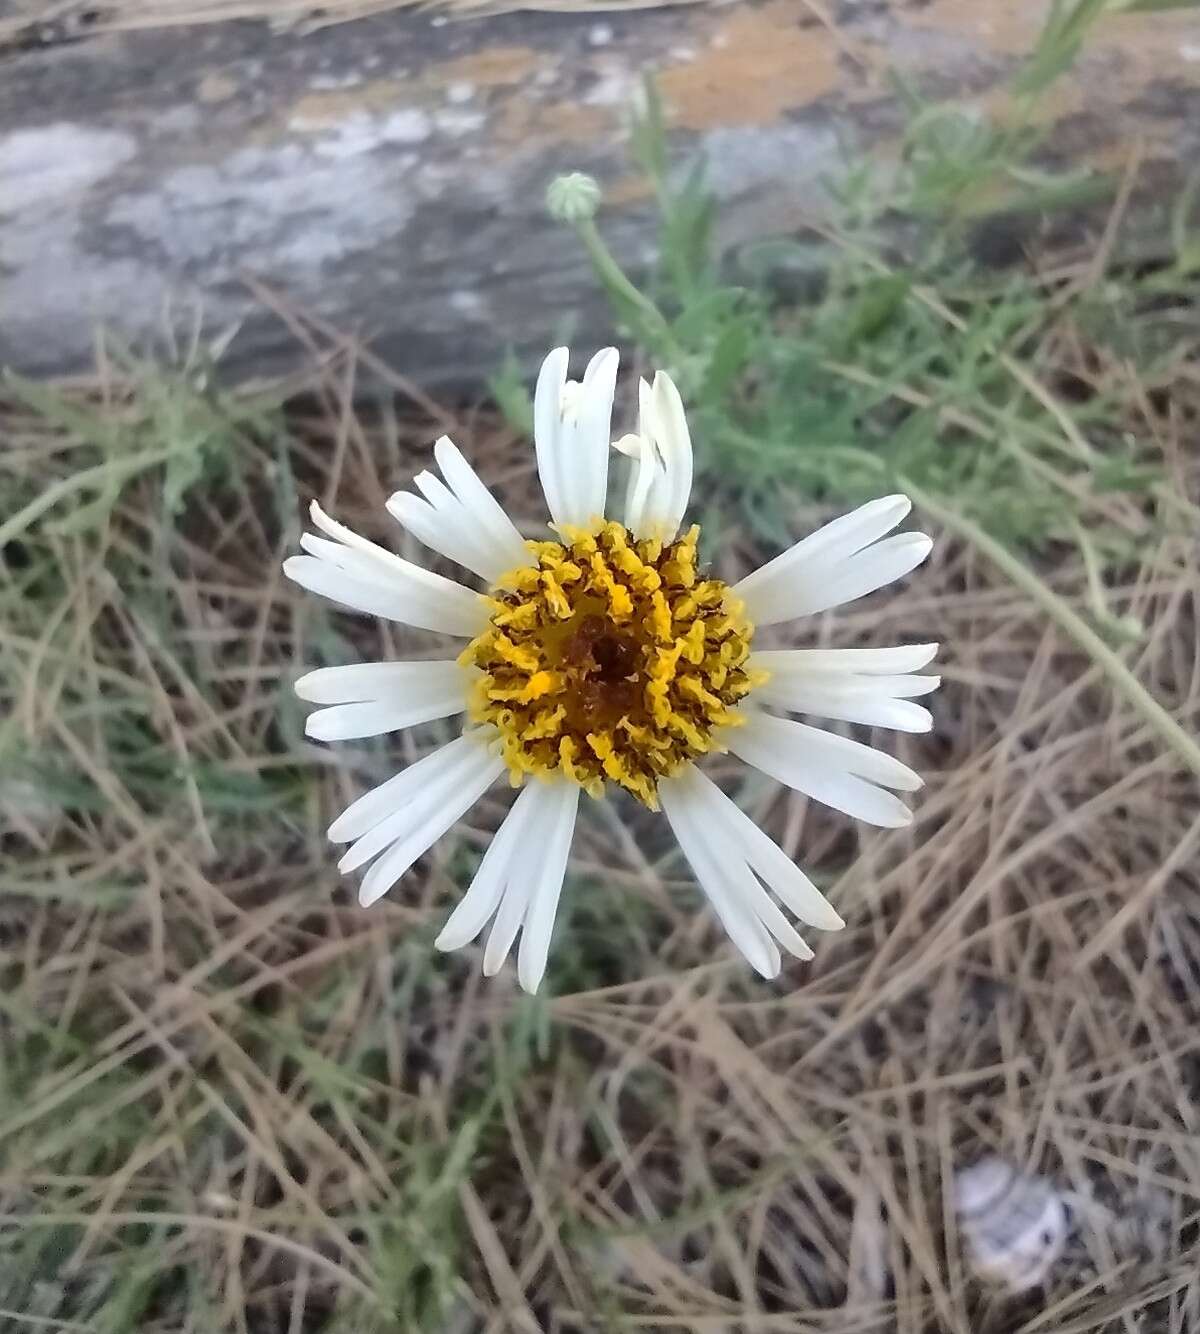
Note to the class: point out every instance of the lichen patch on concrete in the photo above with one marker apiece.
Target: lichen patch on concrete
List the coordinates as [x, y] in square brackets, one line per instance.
[759, 63]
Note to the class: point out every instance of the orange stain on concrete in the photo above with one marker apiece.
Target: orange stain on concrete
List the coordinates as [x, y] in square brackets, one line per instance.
[326, 110]
[492, 67]
[629, 189]
[216, 88]
[521, 123]
[757, 65]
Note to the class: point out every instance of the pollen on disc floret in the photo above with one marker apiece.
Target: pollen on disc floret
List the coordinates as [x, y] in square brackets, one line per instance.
[610, 659]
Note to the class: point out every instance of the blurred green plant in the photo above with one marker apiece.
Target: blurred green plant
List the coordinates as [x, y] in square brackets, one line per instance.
[874, 374]
[908, 363]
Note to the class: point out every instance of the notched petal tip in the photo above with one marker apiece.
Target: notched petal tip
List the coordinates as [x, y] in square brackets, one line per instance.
[604, 363]
[554, 364]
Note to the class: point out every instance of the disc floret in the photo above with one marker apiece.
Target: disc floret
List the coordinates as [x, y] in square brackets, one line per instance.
[610, 658]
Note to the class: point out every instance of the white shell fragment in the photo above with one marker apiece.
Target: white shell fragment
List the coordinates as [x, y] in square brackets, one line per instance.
[1015, 1226]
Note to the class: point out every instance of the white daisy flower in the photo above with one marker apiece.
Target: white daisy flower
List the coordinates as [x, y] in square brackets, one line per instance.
[603, 654]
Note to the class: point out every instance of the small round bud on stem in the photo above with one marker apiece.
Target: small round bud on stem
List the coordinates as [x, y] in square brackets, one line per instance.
[573, 198]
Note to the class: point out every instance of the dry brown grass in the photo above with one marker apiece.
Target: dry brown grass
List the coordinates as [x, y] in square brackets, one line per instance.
[232, 1100]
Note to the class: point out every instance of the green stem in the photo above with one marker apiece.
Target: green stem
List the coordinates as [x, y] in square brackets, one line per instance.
[613, 277]
[1060, 611]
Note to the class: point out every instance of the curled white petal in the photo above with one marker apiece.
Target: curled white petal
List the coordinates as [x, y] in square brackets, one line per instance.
[547, 421]
[572, 424]
[593, 431]
[660, 483]
[646, 474]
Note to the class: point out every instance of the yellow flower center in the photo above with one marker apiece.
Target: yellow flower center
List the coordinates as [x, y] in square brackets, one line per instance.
[610, 658]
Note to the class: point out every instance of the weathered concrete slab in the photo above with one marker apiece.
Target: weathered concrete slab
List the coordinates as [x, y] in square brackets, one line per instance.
[389, 174]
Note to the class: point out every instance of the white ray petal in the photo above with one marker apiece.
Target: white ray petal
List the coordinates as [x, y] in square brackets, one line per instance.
[379, 802]
[419, 584]
[865, 661]
[505, 543]
[375, 717]
[724, 841]
[444, 529]
[675, 445]
[408, 817]
[789, 674]
[384, 873]
[834, 541]
[775, 590]
[547, 425]
[357, 682]
[593, 434]
[517, 892]
[686, 818]
[851, 699]
[354, 542]
[658, 495]
[862, 573]
[646, 476]
[780, 874]
[554, 839]
[481, 900]
[832, 770]
[456, 611]
[835, 751]
[459, 517]
[363, 576]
